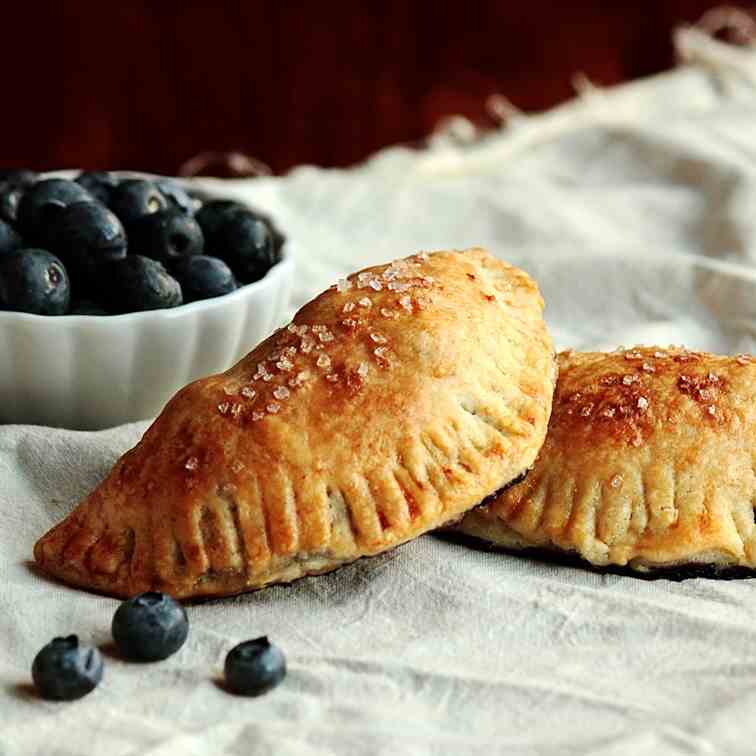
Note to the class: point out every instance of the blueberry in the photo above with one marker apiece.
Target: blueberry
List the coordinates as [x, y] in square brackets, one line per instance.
[254, 667]
[246, 243]
[279, 239]
[213, 214]
[134, 198]
[10, 198]
[41, 202]
[84, 236]
[64, 671]
[18, 177]
[33, 280]
[150, 627]
[100, 184]
[176, 195]
[9, 238]
[166, 235]
[137, 283]
[203, 277]
[86, 307]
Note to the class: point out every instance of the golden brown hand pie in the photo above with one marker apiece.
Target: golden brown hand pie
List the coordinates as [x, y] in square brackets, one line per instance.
[648, 462]
[395, 401]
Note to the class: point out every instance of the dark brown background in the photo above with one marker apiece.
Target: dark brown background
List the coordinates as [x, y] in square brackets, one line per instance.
[147, 85]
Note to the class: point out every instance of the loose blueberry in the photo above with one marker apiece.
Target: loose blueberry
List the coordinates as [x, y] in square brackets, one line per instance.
[203, 277]
[246, 243]
[86, 307]
[64, 671]
[166, 235]
[100, 184]
[10, 198]
[254, 667]
[41, 202]
[177, 197]
[134, 198]
[137, 283]
[86, 235]
[150, 627]
[33, 280]
[9, 238]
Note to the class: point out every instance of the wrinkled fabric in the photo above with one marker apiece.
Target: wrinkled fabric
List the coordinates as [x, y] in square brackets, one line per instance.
[635, 209]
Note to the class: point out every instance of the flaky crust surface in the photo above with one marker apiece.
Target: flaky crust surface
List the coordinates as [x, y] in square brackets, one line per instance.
[648, 462]
[395, 401]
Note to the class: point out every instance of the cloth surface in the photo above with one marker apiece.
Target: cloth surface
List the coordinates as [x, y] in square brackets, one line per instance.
[635, 209]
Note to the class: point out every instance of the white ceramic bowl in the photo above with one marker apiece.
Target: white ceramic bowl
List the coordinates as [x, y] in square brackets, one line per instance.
[91, 372]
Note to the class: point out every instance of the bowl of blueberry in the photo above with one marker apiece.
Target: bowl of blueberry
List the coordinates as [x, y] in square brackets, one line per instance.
[118, 288]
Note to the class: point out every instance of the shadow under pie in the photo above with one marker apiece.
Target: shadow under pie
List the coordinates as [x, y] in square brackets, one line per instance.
[675, 573]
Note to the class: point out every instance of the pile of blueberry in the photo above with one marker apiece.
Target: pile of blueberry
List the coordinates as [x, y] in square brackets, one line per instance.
[149, 627]
[102, 245]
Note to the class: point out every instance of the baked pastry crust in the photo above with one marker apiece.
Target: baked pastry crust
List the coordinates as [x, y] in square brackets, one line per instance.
[648, 463]
[394, 402]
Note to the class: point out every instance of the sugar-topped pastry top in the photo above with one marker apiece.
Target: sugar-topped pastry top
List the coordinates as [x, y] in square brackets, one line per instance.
[394, 401]
[648, 462]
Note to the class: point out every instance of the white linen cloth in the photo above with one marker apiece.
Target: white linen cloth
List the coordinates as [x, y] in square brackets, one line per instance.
[635, 208]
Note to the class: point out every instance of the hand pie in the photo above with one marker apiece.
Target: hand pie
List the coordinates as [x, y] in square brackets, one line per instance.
[395, 401]
[648, 463]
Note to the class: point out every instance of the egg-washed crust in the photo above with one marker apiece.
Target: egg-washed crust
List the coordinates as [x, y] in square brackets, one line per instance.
[648, 464]
[395, 401]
